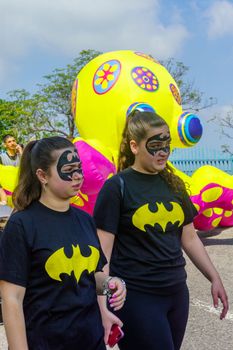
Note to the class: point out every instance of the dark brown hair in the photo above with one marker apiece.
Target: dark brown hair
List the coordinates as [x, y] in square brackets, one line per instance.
[6, 137]
[137, 125]
[36, 155]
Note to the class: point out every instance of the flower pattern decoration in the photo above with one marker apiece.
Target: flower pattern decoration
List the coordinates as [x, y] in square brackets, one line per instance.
[106, 76]
[145, 79]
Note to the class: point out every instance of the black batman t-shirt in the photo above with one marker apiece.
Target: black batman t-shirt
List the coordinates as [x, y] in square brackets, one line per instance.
[147, 221]
[54, 256]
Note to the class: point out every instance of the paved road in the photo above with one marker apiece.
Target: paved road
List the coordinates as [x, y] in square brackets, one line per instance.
[204, 331]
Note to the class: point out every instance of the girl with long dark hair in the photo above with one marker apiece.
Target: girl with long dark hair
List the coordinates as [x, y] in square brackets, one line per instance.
[144, 218]
[50, 257]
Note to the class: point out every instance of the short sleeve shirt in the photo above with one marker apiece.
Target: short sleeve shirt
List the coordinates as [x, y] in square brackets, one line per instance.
[6, 159]
[147, 221]
[54, 255]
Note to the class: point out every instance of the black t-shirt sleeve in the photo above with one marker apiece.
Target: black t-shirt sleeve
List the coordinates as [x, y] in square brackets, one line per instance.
[189, 209]
[102, 259]
[107, 207]
[14, 254]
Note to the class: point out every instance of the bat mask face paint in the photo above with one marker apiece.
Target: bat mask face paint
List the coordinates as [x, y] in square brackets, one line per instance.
[159, 142]
[69, 165]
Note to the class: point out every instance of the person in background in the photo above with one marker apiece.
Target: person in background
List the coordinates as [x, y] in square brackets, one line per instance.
[144, 218]
[50, 257]
[13, 151]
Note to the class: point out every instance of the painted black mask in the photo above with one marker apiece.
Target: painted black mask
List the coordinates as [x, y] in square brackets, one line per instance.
[158, 142]
[69, 158]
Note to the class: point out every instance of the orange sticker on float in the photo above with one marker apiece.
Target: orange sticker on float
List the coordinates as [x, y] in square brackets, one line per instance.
[74, 97]
[175, 93]
[148, 57]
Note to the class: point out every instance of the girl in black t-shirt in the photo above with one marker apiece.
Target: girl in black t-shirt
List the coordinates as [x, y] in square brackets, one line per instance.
[50, 257]
[144, 219]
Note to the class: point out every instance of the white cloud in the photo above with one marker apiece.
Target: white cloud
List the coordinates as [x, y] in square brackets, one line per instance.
[219, 17]
[66, 27]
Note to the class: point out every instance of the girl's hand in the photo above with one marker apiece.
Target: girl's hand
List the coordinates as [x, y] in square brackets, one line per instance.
[218, 292]
[108, 319]
[118, 295]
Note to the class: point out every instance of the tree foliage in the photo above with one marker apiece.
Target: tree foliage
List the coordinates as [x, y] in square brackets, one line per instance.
[192, 98]
[48, 111]
[6, 123]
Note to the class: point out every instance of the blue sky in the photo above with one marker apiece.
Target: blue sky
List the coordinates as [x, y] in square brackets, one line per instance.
[40, 35]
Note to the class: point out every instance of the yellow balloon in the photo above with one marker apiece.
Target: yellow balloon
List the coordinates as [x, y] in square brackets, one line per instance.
[113, 84]
[8, 180]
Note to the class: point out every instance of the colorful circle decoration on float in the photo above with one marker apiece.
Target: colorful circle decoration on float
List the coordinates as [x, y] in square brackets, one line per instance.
[148, 57]
[74, 95]
[145, 79]
[140, 106]
[189, 129]
[106, 76]
[175, 93]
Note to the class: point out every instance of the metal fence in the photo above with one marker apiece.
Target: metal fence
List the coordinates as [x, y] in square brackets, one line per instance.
[188, 160]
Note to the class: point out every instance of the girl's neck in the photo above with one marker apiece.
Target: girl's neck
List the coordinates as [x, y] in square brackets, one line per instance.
[141, 170]
[55, 203]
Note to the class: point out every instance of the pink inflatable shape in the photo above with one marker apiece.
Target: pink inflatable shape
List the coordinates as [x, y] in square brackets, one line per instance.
[96, 169]
[215, 205]
[221, 197]
[227, 219]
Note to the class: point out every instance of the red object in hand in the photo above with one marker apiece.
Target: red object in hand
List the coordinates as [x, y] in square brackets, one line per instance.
[115, 335]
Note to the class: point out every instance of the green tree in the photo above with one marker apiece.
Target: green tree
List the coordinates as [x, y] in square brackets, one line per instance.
[48, 111]
[56, 95]
[7, 122]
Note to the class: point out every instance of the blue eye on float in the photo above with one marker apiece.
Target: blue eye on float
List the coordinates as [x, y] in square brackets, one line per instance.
[189, 129]
[140, 106]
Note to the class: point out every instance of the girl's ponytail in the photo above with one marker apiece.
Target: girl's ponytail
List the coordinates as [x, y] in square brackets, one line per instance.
[126, 157]
[28, 187]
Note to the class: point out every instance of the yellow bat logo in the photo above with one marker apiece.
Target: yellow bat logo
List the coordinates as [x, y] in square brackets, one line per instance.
[58, 263]
[143, 216]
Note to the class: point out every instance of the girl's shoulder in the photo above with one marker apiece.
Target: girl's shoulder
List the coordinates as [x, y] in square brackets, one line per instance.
[22, 219]
[18, 216]
[80, 213]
